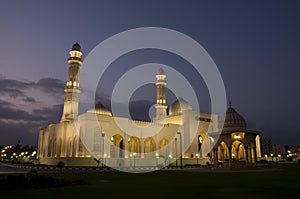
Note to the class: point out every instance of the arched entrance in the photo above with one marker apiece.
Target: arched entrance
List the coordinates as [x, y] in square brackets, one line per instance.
[49, 152]
[134, 145]
[223, 151]
[200, 141]
[251, 153]
[238, 150]
[117, 147]
[149, 146]
[59, 147]
[163, 146]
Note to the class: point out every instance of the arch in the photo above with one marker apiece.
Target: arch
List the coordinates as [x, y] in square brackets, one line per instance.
[74, 147]
[69, 148]
[251, 153]
[54, 148]
[149, 146]
[134, 144]
[49, 152]
[223, 151]
[238, 150]
[117, 149]
[59, 145]
[163, 146]
[199, 141]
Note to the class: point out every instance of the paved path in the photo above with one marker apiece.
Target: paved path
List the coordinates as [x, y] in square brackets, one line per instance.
[6, 168]
[9, 168]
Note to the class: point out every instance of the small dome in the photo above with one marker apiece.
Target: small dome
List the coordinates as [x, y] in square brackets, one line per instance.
[233, 121]
[178, 106]
[76, 47]
[100, 109]
[160, 71]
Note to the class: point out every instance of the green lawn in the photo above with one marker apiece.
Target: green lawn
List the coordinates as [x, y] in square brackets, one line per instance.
[284, 183]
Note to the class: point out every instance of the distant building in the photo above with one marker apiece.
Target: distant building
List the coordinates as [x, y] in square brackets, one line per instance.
[278, 150]
[266, 147]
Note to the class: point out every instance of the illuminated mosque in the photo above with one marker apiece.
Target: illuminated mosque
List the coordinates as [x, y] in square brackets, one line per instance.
[79, 140]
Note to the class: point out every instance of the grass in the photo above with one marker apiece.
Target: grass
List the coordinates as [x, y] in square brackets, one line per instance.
[283, 183]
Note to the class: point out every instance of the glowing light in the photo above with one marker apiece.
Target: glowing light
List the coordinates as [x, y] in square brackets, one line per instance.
[237, 137]
[200, 139]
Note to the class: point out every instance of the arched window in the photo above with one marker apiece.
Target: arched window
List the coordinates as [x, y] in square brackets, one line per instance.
[200, 141]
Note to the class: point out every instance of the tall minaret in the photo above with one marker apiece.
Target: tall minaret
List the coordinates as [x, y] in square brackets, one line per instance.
[71, 89]
[161, 103]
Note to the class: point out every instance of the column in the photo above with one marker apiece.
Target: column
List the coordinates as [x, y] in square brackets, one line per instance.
[142, 140]
[230, 156]
[255, 156]
[246, 154]
[250, 156]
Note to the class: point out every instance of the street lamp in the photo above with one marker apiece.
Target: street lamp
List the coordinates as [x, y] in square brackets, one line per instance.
[103, 135]
[272, 156]
[130, 155]
[157, 156]
[176, 152]
[134, 154]
[180, 136]
[197, 156]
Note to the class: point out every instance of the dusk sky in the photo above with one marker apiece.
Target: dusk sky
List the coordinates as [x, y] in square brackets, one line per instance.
[255, 44]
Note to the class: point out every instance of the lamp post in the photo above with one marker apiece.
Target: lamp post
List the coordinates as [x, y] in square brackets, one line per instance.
[176, 152]
[197, 156]
[180, 149]
[103, 135]
[134, 154]
[157, 156]
[272, 156]
[130, 155]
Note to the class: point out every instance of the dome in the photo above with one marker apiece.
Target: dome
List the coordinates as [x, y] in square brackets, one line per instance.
[76, 47]
[233, 121]
[178, 106]
[100, 109]
[160, 71]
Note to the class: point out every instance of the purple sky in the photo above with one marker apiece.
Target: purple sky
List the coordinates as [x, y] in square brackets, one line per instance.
[255, 44]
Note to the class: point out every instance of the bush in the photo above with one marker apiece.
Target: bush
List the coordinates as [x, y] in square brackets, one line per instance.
[33, 180]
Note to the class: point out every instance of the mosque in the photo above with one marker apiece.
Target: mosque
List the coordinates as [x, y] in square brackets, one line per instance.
[98, 136]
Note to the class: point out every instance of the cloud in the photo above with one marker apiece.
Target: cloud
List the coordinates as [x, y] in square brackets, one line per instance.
[50, 114]
[20, 125]
[11, 132]
[26, 106]
[50, 85]
[7, 111]
[17, 89]
[28, 99]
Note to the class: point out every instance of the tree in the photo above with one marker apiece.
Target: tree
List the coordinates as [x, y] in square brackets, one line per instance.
[210, 158]
[60, 165]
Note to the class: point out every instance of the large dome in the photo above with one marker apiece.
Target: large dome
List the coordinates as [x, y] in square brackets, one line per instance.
[178, 106]
[233, 121]
[101, 109]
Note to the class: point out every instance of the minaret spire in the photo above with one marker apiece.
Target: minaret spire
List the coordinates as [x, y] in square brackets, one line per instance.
[71, 89]
[161, 102]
